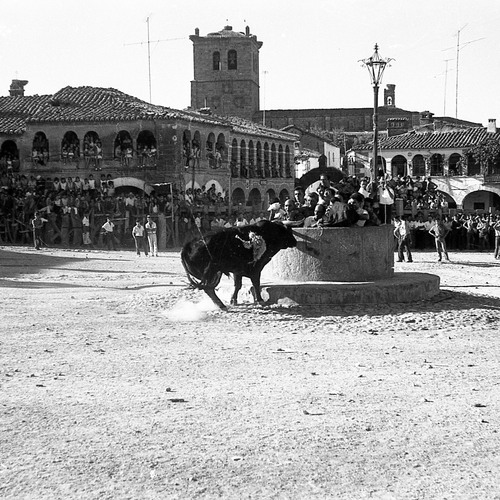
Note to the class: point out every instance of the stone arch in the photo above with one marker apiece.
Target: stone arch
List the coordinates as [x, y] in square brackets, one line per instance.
[334, 174]
[238, 197]
[288, 162]
[473, 168]
[70, 146]
[454, 164]
[281, 161]
[9, 156]
[259, 170]
[146, 147]
[418, 166]
[284, 195]
[267, 166]
[399, 166]
[270, 197]
[437, 163]
[233, 164]
[186, 147]
[123, 145]
[220, 147]
[40, 149]
[251, 159]
[92, 148]
[121, 182]
[481, 199]
[243, 162]
[255, 199]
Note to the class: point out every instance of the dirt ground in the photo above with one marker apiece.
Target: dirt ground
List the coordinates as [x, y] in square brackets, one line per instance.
[117, 382]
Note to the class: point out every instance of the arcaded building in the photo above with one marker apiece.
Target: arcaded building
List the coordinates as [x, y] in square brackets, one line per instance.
[78, 131]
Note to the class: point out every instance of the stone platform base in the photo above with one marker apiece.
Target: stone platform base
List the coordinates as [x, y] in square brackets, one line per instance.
[403, 287]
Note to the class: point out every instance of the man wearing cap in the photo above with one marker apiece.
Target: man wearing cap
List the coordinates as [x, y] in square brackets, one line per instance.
[151, 233]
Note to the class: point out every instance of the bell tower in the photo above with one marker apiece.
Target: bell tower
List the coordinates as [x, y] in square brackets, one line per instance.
[226, 72]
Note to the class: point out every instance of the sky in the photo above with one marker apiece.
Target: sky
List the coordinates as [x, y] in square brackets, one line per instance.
[309, 58]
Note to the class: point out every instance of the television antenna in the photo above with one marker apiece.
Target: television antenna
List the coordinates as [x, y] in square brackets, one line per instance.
[459, 46]
[149, 42]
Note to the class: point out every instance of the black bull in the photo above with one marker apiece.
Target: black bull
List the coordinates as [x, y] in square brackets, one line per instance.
[242, 251]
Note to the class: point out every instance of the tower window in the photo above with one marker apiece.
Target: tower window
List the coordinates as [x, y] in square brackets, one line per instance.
[232, 60]
[216, 61]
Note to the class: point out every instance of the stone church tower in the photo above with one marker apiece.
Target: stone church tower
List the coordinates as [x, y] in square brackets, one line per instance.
[226, 72]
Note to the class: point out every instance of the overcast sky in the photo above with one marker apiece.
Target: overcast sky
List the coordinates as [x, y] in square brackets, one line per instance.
[310, 49]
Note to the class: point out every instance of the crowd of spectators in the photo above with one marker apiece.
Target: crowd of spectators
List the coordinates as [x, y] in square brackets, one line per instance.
[76, 208]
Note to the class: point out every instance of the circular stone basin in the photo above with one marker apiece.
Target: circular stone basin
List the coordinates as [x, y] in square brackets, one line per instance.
[353, 254]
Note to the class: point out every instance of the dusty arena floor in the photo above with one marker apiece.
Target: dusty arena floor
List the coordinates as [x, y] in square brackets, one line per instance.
[119, 383]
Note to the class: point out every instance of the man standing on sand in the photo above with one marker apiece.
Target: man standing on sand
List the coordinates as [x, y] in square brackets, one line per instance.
[152, 238]
[439, 231]
[37, 225]
[107, 230]
[496, 228]
[138, 232]
[403, 238]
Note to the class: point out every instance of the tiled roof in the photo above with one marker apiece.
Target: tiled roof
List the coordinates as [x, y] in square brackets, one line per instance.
[91, 104]
[14, 112]
[454, 139]
[247, 127]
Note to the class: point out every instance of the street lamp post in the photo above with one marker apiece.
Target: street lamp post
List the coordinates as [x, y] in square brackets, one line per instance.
[376, 66]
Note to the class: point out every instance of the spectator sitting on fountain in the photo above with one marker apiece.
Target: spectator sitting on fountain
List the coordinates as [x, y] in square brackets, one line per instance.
[354, 213]
[335, 210]
[373, 220]
[293, 216]
[316, 220]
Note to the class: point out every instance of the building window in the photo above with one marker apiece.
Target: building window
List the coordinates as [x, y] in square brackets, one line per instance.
[232, 60]
[216, 61]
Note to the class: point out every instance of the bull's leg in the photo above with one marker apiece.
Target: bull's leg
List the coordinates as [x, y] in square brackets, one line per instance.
[211, 293]
[211, 279]
[237, 278]
[256, 288]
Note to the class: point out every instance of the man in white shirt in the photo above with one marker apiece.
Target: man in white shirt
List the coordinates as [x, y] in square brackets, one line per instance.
[152, 237]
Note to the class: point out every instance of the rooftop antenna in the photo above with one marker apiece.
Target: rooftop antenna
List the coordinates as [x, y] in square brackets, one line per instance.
[458, 56]
[445, 84]
[149, 42]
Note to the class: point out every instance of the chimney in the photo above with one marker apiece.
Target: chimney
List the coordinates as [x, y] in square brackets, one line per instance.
[426, 117]
[17, 87]
[247, 31]
[492, 126]
[197, 32]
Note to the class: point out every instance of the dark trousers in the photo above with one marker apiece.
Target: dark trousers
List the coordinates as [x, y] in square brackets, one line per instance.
[404, 245]
[141, 243]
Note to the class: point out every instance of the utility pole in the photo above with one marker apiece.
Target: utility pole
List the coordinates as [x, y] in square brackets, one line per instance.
[149, 42]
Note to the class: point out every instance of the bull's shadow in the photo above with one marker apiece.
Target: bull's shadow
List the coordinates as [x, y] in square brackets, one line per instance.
[444, 301]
